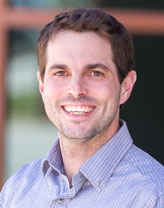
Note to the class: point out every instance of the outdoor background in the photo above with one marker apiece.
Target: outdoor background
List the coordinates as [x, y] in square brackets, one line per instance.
[29, 134]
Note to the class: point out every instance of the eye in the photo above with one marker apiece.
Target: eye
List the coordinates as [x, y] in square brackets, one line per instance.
[61, 73]
[97, 73]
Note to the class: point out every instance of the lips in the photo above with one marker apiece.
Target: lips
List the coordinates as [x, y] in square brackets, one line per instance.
[77, 109]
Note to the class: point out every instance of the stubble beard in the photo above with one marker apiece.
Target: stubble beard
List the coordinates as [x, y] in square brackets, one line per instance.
[98, 128]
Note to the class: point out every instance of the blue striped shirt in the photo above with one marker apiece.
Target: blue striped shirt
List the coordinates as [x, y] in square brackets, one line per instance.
[118, 175]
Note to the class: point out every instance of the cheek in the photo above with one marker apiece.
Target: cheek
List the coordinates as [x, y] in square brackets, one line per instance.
[102, 89]
[52, 87]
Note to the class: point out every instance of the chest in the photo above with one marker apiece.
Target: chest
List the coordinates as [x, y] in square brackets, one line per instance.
[117, 193]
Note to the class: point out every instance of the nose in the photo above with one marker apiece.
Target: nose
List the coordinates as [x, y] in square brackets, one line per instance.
[77, 87]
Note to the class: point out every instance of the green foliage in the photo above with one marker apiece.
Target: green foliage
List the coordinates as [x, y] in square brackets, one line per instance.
[27, 105]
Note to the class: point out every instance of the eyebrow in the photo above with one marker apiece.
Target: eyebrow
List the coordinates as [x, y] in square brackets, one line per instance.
[97, 65]
[88, 66]
[58, 66]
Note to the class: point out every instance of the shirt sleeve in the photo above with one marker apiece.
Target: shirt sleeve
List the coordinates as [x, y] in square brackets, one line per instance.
[11, 187]
[7, 194]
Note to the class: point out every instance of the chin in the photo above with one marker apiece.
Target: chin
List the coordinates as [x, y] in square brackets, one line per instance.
[81, 134]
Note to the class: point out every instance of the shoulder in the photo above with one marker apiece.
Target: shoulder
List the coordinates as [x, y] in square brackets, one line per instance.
[27, 171]
[147, 167]
[22, 179]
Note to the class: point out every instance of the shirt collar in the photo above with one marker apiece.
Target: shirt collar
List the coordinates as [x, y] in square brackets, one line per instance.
[53, 159]
[99, 168]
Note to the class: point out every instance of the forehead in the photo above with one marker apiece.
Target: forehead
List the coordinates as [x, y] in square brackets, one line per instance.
[83, 47]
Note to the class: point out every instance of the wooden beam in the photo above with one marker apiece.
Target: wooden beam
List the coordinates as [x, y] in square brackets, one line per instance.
[3, 47]
[140, 22]
[3, 3]
[23, 18]
[3, 57]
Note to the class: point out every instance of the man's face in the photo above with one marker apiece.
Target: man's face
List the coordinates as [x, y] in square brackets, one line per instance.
[81, 91]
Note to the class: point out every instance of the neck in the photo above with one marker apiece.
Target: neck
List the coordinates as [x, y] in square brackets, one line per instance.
[75, 152]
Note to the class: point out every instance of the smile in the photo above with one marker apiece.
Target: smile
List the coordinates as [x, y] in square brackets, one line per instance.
[76, 109]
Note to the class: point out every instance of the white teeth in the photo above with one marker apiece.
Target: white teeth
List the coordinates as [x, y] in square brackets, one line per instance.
[68, 108]
[83, 108]
[76, 112]
[78, 109]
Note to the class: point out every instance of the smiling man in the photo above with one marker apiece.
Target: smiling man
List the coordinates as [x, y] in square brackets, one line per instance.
[86, 60]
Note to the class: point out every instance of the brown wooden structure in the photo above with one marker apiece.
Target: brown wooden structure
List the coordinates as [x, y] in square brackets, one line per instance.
[142, 22]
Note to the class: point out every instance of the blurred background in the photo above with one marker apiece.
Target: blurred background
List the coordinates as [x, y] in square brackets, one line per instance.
[28, 134]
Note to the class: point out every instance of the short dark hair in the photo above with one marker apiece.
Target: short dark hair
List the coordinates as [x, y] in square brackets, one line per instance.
[95, 20]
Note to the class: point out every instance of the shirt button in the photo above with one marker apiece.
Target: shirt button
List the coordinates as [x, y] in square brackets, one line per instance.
[60, 200]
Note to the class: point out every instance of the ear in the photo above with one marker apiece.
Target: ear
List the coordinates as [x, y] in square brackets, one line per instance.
[127, 86]
[41, 85]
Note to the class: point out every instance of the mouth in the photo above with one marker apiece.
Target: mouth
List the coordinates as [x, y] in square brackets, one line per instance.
[78, 109]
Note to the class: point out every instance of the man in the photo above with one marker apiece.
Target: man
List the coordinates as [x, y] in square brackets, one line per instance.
[86, 60]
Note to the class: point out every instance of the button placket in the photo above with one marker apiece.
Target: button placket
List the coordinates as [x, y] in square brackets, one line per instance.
[60, 200]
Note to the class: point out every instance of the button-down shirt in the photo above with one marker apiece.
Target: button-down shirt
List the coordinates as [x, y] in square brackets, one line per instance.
[118, 175]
